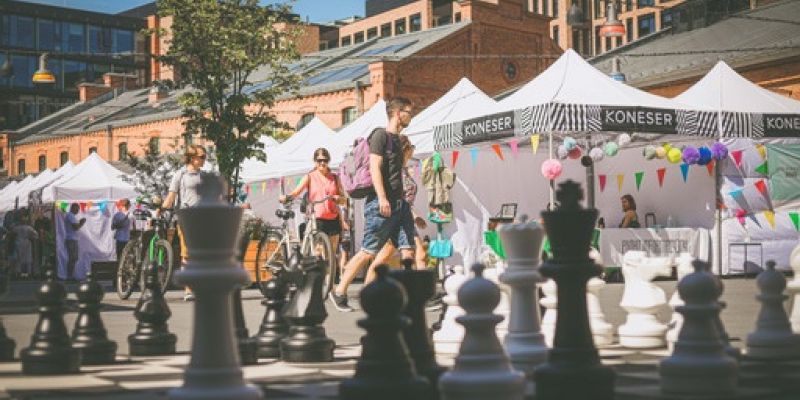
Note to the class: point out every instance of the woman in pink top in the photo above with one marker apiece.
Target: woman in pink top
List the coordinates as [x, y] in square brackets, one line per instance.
[321, 182]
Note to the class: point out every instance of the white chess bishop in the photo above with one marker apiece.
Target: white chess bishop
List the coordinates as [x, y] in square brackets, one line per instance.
[642, 299]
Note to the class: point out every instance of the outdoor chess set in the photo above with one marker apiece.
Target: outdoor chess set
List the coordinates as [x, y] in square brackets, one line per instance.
[491, 344]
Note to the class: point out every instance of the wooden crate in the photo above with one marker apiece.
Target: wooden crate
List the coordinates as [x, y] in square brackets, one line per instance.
[250, 260]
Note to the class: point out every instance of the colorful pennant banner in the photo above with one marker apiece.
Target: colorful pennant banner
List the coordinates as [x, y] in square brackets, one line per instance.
[514, 144]
[763, 169]
[498, 150]
[535, 143]
[795, 220]
[685, 171]
[737, 158]
[761, 186]
[602, 180]
[620, 181]
[770, 216]
[639, 176]
[661, 172]
[710, 168]
[762, 150]
[454, 158]
[473, 155]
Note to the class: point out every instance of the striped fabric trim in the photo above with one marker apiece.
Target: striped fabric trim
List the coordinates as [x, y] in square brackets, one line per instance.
[447, 136]
[696, 123]
[576, 118]
[742, 125]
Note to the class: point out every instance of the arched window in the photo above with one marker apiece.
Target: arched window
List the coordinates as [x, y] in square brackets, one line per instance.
[123, 151]
[20, 166]
[92, 150]
[153, 146]
[64, 157]
[42, 162]
[349, 115]
[304, 120]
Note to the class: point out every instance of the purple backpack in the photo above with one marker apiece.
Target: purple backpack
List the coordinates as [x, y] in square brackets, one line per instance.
[354, 170]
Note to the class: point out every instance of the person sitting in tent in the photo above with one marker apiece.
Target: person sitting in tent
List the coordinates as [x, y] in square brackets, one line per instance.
[629, 219]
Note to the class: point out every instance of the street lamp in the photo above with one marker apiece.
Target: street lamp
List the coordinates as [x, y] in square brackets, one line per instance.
[613, 27]
[43, 75]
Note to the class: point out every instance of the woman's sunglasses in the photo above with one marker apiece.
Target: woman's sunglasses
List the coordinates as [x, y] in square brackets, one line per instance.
[322, 160]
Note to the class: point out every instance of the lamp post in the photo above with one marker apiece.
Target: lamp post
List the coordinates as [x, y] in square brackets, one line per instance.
[43, 75]
[612, 27]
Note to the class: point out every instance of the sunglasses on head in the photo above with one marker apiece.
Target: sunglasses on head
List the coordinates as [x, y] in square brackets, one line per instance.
[202, 157]
[322, 160]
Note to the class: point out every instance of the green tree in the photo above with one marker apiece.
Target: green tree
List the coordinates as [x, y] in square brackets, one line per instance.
[215, 46]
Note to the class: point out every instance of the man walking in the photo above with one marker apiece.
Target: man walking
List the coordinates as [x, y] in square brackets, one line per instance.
[71, 227]
[387, 216]
[121, 225]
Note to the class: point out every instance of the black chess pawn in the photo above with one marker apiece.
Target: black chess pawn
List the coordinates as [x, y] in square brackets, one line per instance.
[7, 345]
[247, 346]
[385, 369]
[152, 336]
[273, 327]
[305, 313]
[420, 286]
[573, 369]
[50, 352]
[89, 334]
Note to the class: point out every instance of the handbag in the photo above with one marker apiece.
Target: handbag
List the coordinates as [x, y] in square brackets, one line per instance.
[440, 248]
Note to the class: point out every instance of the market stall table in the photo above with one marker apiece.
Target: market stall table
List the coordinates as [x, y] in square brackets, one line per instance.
[657, 242]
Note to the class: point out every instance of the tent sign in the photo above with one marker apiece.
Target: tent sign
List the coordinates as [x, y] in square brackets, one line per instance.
[487, 128]
[781, 125]
[638, 119]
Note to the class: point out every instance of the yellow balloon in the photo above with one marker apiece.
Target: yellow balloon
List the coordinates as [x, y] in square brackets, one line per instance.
[666, 146]
[674, 155]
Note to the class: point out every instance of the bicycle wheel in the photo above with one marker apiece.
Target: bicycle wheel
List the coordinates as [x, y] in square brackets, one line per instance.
[164, 259]
[127, 270]
[319, 244]
[269, 251]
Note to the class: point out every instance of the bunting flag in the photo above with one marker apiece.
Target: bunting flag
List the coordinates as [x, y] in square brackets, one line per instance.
[535, 143]
[685, 171]
[473, 155]
[710, 168]
[740, 216]
[735, 193]
[263, 187]
[514, 144]
[770, 216]
[620, 181]
[498, 150]
[762, 150]
[602, 179]
[763, 169]
[795, 220]
[89, 205]
[661, 172]
[63, 206]
[761, 186]
[83, 207]
[639, 176]
[454, 158]
[737, 158]
[247, 188]
[102, 206]
[297, 180]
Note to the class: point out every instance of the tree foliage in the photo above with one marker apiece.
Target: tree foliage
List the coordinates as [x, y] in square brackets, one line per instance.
[215, 46]
[152, 172]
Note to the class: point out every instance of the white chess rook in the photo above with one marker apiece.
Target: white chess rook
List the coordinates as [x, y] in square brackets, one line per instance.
[794, 289]
[212, 273]
[773, 338]
[448, 338]
[642, 299]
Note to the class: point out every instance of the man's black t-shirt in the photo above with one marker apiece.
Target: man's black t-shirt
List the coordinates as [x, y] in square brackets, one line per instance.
[387, 145]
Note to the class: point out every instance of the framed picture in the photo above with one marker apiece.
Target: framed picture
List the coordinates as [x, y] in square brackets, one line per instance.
[508, 211]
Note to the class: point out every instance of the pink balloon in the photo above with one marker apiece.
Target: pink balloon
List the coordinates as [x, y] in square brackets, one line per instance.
[551, 169]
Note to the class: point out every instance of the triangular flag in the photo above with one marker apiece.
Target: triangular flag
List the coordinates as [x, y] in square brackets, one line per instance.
[763, 169]
[535, 143]
[89, 204]
[639, 176]
[761, 186]
[762, 151]
[661, 172]
[473, 155]
[795, 220]
[620, 180]
[514, 144]
[297, 180]
[770, 216]
[454, 157]
[602, 179]
[685, 171]
[735, 193]
[498, 150]
[710, 168]
[263, 187]
[737, 158]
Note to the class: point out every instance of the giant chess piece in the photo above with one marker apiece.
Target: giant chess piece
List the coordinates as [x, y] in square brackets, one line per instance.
[602, 331]
[213, 273]
[503, 307]
[794, 289]
[50, 352]
[773, 338]
[385, 370]
[152, 336]
[420, 286]
[273, 327]
[698, 365]
[550, 303]
[305, 313]
[684, 268]
[524, 342]
[89, 335]
[482, 369]
[448, 338]
[642, 299]
[723, 334]
[573, 369]
[7, 344]
[248, 349]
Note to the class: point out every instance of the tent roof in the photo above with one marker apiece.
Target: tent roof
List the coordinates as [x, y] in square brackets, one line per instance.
[92, 179]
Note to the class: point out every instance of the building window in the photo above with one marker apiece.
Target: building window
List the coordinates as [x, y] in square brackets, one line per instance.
[555, 34]
[122, 41]
[545, 10]
[92, 150]
[646, 3]
[74, 73]
[17, 31]
[457, 17]
[24, 67]
[42, 162]
[617, 41]
[666, 19]
[510, 70]
[608, 43]
[349, 115]
[372, 33]
[63, 157]
[304, 120]
[386, 30]
[358, 37]
[123, 151]
[74, 37]
[416, 22]
[2, 159]
[154, 146]
[555, 8]
[346, 41]
[647, 24]
[400, 26]
[598, 42]
[629, 29]
[99, 39]
[49, 34]
[628, 5]
[20, 166]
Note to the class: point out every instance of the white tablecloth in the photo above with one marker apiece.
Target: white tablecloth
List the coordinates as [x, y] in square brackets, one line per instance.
[656, 242]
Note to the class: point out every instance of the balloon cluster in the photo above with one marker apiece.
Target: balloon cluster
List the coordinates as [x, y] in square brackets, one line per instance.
[691, 155]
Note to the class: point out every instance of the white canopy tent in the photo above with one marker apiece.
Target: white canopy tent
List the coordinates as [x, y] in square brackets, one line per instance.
[8, 197]
[92, 179]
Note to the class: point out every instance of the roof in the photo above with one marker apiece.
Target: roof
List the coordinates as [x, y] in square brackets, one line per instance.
[692, 53]
[142, 11]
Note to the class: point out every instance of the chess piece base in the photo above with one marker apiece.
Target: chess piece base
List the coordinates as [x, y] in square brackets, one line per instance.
[268, 342]
[7, 346]
[696, 377]
[96, 352]
[307, 344]
[51, 361]
[248, 351]
[642, 331]
[390, 388]
[560, 382]
[238, 392]
[482, 385]
[152, 345]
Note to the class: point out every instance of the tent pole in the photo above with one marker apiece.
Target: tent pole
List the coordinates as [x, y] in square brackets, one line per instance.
[590, 185]
[552, 182]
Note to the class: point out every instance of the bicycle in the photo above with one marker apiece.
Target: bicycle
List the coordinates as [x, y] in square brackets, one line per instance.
[276, 244]
[135, 259]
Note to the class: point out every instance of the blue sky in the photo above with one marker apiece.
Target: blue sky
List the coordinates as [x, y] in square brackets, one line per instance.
[315, 10]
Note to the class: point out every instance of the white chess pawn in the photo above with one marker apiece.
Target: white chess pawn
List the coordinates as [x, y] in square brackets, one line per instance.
[602, 331]
[773, 338]
[448, 338]
[503, 308]
[794, 289]
[642, 299]
[684, 262]
[550, 304]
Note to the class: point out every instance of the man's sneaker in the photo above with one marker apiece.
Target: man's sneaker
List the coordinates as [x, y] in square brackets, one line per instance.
[340, 302]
